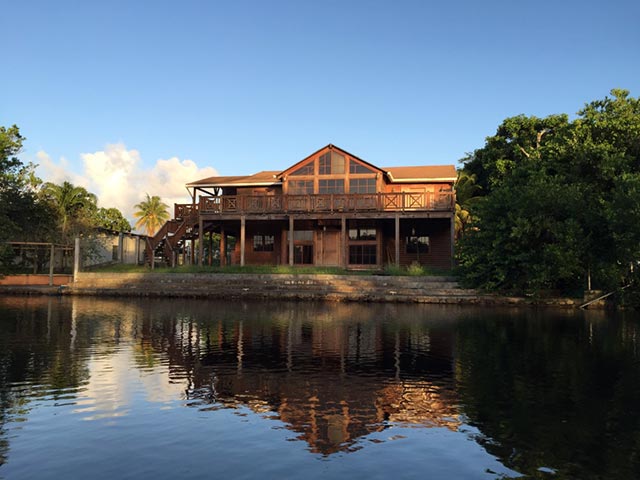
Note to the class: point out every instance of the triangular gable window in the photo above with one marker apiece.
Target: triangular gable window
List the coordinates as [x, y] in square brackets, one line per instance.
[304, 170]
[355, 167]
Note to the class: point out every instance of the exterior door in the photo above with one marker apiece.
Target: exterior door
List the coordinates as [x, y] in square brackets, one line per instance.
[328, 251]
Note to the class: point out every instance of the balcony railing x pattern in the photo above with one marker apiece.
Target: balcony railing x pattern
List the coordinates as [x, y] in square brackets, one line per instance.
[278, 204]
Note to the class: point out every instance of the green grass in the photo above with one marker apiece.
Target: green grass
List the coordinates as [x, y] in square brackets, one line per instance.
[414, 270]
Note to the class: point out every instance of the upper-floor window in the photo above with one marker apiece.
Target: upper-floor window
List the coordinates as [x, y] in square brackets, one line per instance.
[331, 186]
[331, 163]
[362, 185]
[300, 187]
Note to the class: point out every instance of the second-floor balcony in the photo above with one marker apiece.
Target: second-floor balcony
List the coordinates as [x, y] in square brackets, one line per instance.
[322, 203]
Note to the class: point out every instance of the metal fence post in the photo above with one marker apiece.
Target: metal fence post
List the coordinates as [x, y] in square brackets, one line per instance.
[52, 258]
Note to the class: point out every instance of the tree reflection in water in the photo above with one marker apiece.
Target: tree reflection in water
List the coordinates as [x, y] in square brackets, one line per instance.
[544, 390]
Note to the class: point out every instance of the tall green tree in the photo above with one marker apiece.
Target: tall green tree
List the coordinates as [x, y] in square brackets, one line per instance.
[75, 208]
[151, 214]
[112, 219]
[560, 201]
[22, 216]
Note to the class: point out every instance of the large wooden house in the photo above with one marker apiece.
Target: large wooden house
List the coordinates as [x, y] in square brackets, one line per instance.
[329, 209]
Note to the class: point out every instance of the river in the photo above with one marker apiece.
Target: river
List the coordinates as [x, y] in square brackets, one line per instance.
[146, 388]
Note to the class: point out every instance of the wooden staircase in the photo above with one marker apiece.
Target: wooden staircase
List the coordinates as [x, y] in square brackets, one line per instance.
[167, 241]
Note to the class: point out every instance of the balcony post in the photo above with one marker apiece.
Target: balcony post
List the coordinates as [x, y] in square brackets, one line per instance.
[453, 240]
[223, 247]
[290, 240]
[200, 241]
[397, 240]
[343, 241]
[242, 239]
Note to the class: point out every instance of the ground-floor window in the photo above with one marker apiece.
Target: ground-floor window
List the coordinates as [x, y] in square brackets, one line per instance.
[417, 244]
[362, 255]
[263, 243]
[303, 254]
[362, 234]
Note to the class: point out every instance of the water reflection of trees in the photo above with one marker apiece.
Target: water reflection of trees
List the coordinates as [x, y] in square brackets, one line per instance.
[44, 366]
[547, 393]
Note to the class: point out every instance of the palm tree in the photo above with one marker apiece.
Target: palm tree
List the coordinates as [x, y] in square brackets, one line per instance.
[151, 213]
[467, 193]
[74, 205]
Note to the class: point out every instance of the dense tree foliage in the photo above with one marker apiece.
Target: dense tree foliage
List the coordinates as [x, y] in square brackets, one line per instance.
[22, 216]
[561, 204]
[75, 208]
[467, 193]
[112, 219]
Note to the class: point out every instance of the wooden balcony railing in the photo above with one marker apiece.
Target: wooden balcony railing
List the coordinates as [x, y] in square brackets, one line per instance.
[369, 202]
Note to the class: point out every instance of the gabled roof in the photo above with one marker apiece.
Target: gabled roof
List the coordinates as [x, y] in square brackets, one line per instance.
[327, 147]
[417, 174]
[260, 179]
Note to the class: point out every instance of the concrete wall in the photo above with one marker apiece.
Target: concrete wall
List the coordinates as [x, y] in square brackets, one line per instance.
[41, 279]
[118, 248]
[370, 288]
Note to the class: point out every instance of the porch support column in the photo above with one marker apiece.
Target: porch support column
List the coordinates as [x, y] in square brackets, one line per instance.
[453, 241]
[242, 238]
[343, 241]
[397, 240]
[291, 240]
[200, 242]
[223, 247]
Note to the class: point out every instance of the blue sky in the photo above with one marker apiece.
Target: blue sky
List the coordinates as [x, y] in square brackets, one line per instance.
[244, 86]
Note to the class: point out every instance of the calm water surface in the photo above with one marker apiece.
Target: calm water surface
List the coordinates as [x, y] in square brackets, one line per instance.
[107, 389]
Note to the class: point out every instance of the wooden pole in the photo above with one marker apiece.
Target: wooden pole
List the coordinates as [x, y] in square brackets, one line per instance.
[343, 242]
[290, 240]
[397, 241]
[453, 240]
[242, 238]
[223, 247]
[200, 242]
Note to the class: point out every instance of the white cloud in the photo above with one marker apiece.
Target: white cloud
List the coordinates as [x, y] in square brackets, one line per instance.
[117, 177]
[57, 172]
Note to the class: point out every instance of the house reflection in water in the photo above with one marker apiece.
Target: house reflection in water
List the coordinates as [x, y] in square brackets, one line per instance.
[334, 376]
